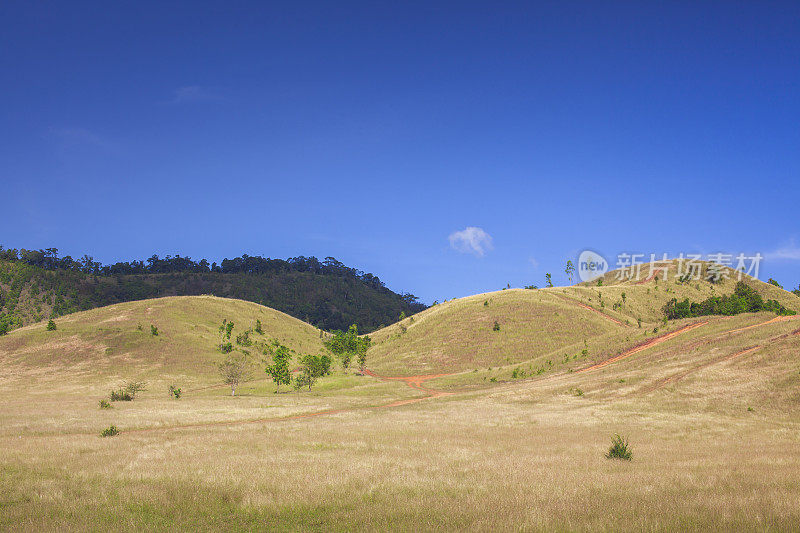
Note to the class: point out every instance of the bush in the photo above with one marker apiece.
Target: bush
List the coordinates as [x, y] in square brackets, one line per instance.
[153, 330]
[619, 449]
[744, 299]
[51, 326]
[258, 328]
[175, 392]
[104, 404]
[226, 347]
[496, 326]
[110, 431]
[128, 392]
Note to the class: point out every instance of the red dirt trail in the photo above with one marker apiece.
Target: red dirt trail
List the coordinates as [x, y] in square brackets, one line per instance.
[643, 346]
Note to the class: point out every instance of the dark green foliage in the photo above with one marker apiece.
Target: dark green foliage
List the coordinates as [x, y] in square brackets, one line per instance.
[619, 449]
[279, 369]
[128, 392]
[744, 299]
[121, 395]
[773, 282]
[258, 329]
[175, 392]
[104, 404]
[325, 293]
[153, 330]
[243, 339]
[548, 279]
[496, 326]
[347, 344]
[226, 347]
[110, 431]
[51, 325]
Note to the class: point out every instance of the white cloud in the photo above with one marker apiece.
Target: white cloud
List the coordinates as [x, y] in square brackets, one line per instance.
[533, 262]
[790, 252]
[471, 240]
[193, 93]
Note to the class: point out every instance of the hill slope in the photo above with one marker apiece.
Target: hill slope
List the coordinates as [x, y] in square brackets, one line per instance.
[545, 330]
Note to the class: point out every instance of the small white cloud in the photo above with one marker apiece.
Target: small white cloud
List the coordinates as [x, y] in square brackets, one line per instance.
[533, 262]
[471, 240]
[790, 252]
[193, 93]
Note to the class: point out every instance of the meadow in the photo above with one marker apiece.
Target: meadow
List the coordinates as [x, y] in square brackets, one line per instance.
[711, 414]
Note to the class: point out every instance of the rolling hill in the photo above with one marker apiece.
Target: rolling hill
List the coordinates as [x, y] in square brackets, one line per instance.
[457, 424]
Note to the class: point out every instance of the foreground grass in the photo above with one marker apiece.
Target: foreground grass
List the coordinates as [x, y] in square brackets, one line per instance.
[713, 450]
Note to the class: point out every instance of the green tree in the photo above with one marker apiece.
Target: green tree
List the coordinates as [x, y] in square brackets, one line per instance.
[51, 325]
[549, 279]
[312, 368]
[569, 270]
[258, 329]
[279, 369]
[346, 344]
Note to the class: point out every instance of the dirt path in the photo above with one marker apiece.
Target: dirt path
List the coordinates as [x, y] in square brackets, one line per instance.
[643, 346]
[680, 375]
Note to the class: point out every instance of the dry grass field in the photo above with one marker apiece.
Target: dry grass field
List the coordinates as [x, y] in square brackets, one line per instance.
[711, 412]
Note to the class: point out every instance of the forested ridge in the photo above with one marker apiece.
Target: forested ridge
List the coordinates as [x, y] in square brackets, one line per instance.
[38, 284]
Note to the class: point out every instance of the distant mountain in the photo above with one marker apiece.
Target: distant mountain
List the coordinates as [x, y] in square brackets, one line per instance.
[38, 284]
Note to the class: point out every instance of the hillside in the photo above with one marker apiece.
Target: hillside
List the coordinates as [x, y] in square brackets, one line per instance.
[544, 331]
[710, 406]
[36, 285]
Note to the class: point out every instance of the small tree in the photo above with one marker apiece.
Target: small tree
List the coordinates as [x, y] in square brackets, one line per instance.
[153, 330]
[569, 270]
[51, 325]
[549, 279]
[234, 370]
[258, 329]
[279, 369]
[311, 370]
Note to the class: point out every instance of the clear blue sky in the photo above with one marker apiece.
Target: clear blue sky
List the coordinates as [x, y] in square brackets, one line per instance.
[372, 133]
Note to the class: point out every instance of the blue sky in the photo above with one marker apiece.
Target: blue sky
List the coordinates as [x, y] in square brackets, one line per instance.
[373, 133]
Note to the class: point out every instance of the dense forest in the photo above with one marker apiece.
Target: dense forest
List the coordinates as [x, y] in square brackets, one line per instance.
[38, 284]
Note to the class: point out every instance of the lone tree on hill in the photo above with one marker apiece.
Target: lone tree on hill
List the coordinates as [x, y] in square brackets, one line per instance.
[313, 367]
[569, 270]
[549, 278]
[234, 370]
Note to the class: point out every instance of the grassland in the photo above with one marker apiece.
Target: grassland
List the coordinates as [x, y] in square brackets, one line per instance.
[712, 415]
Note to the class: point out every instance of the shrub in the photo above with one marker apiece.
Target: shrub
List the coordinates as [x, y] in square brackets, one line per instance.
[51, 326]
[243, 339]
[258, 328]
[619, 449]
[153, 330]
[175, 392]
[104, 404]
[128, 392]
[496, 326]
[226, 347]
[110, 431]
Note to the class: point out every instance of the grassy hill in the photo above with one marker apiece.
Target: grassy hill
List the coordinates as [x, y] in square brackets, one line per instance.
[710, 406]
[544, 330]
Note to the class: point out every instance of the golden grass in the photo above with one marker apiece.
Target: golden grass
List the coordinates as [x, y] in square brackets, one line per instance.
[524, 454]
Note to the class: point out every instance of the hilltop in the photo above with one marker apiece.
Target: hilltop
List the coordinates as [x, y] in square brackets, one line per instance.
[37, 284]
